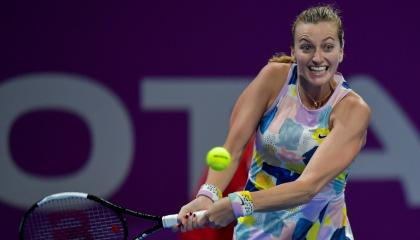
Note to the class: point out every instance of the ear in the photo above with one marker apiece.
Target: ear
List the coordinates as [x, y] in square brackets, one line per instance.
[341, 55]
[292, 53]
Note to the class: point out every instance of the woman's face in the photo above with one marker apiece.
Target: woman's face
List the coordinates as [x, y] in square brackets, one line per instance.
[317, 51]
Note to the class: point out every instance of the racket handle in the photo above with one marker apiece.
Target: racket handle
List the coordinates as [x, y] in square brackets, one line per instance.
[169, 221]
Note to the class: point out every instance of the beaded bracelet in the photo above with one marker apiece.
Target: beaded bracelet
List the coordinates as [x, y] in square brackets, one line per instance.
[242, 203]
[210, 191]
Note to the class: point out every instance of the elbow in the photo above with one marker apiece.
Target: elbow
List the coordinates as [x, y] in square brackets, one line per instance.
[308, 196]
[309, 191]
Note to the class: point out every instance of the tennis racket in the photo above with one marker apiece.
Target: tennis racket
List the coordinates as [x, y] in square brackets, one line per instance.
[81, 216]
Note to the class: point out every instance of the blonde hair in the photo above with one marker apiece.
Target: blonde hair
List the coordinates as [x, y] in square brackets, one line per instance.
[281, 58]
[322, 13]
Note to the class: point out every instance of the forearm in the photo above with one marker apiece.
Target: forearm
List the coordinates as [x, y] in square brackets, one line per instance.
[283, 196]
[221, 179]
[246, 114]
[332, 157]
[239, 136]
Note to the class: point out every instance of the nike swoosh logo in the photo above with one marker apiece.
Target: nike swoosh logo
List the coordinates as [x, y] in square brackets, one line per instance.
[321, 136]
[242, 201]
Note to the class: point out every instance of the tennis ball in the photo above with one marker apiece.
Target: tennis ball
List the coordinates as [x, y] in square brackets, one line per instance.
[218, 158]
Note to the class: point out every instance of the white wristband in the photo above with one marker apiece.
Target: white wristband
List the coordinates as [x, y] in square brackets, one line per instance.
[210, 191]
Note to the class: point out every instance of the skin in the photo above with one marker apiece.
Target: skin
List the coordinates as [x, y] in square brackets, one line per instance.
[315, 45]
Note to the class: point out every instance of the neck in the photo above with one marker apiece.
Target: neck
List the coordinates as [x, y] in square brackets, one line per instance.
[315, 96]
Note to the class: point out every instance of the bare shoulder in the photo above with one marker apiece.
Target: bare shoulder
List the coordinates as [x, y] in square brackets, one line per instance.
[353, 101]
[352, 110]
[273, 76]
[277, 69]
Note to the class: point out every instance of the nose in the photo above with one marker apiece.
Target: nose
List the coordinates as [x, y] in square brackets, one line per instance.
[317, 57]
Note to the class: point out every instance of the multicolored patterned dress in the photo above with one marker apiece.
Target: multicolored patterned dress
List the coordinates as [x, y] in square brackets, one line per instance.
[287, 137]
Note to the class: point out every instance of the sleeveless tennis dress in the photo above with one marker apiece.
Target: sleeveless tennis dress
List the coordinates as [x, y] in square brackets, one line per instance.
[287, 137]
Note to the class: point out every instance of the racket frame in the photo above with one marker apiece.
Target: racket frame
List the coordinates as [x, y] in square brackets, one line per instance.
[118, 210]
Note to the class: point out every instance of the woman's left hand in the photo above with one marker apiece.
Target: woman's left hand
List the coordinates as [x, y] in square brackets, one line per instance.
[220, 214]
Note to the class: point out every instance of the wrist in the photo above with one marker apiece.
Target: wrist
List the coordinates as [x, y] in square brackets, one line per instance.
[242, 203]
[210, 191]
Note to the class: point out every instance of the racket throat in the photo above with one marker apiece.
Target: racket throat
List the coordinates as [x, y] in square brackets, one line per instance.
[149, 231]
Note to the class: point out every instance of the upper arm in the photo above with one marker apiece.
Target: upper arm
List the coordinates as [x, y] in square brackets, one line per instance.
[252, 104]
[343, 143]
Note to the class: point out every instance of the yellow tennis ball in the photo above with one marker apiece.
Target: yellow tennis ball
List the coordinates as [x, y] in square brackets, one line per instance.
[218, 158]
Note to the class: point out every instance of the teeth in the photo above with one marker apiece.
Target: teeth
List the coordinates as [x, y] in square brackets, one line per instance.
[318, 69]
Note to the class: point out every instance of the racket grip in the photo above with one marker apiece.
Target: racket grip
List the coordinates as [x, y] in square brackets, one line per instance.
[169, 221]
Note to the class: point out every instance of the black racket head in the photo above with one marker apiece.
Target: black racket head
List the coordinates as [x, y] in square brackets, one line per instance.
[72, 216]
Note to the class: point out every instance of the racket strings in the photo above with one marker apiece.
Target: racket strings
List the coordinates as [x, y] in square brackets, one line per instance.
[73, 218]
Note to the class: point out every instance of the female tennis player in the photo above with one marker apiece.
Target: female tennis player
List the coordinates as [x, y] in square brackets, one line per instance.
[309, 126]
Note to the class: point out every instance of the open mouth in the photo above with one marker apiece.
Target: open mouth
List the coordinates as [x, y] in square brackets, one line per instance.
[318, 69]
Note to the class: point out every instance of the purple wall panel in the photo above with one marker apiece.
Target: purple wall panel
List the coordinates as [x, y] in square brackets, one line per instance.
[117, 44]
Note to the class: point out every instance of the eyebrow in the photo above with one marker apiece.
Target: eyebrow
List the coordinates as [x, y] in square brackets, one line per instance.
[306, 40]
[328, 38]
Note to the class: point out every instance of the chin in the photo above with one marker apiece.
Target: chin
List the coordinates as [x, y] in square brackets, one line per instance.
[317, 79]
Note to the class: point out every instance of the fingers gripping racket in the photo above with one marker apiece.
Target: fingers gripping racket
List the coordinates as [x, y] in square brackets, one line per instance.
[77, 216]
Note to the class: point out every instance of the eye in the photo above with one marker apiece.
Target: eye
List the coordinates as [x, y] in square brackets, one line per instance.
[306, 47]
[329, 47]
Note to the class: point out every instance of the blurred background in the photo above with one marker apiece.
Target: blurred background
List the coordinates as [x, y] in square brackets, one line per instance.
[122, 99]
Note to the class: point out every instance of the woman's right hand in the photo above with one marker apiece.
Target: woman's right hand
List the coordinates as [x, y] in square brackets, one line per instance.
[185, 216]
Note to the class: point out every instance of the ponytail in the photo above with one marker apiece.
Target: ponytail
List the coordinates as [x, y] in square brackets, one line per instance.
[281, 58]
